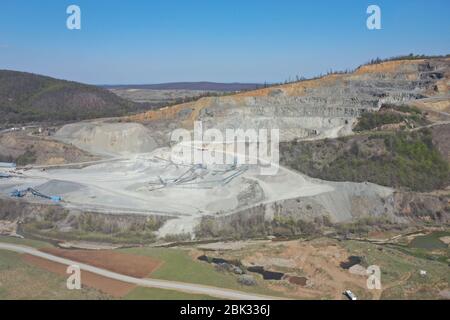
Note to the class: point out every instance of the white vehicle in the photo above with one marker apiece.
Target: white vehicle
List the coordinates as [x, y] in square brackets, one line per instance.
[350, 295]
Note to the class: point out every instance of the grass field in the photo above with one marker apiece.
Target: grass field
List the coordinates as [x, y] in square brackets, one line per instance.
[179, 266]
[25, 242]
[141, 293]
[400, 271]
[18, 280]
[430, 241]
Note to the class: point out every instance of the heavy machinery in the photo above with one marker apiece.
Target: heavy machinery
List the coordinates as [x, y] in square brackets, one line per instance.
[22, 193]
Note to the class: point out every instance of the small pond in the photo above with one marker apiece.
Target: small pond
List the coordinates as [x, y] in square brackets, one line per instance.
[267, 275]
[351, 261]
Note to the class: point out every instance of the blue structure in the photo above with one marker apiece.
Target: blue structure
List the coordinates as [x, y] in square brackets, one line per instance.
[22, 193]
[4, 175]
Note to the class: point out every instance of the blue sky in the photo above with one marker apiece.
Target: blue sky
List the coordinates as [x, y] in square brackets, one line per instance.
[152, 41]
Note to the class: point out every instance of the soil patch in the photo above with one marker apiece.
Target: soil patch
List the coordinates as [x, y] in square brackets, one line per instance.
[301, 281]
[127, 264]
[114, 288]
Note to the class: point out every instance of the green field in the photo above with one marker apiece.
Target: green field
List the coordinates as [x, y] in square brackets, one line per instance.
[141, 293]
[430, 241]
[179, 266]
[25, 242]
[400, 271]
[19, 281]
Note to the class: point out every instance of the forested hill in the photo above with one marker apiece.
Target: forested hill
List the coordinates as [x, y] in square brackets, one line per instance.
[26, 97]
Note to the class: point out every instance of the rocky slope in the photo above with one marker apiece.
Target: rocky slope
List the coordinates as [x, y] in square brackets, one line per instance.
[319, 108]
[24, 149]
[110, 139]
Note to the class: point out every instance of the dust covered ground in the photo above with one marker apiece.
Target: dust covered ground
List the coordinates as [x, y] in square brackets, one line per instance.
[137, 177]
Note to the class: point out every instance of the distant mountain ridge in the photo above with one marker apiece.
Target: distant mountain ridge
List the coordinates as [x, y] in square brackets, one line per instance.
[28, 97]
[202, 85]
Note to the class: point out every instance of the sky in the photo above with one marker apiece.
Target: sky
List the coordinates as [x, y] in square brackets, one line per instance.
[155, 41]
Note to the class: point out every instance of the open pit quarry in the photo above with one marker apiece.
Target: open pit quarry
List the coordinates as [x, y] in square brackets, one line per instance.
[138, 176]
[326, 107]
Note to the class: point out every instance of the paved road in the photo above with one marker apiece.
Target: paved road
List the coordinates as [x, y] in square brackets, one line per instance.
[151, 283]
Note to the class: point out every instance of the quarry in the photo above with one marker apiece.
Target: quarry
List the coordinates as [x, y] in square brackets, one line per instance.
[150, 183]
[131, 170]
[178, 152]
[287, 192]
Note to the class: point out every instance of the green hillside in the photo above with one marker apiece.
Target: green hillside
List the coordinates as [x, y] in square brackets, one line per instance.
[26, 97]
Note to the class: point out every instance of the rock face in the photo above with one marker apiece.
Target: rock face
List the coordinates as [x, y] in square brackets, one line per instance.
[108, 138]
[16, 145]
[322, 108]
